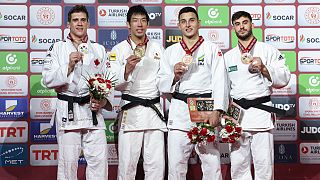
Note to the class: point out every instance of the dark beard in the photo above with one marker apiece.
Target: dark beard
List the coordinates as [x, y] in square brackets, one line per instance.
[245, 37]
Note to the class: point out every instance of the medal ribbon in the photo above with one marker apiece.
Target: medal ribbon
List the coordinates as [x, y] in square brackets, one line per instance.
[83, 40]
[250, 46]
[145, 41]
[193, 48]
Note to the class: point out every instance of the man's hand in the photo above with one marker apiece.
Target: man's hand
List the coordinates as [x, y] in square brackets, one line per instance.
[132, 61]
[258, 66]
[179, 69]
[74, 58]
[214, 118]
[95, 105]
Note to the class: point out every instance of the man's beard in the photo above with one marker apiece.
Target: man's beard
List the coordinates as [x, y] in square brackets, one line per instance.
[244, 37]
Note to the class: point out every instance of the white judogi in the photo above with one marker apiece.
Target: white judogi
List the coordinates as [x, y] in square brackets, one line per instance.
[140, 127]
[207, 74]
[256, 123]
[79, 133]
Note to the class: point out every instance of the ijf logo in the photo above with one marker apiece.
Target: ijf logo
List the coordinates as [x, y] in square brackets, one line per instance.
[13, 155]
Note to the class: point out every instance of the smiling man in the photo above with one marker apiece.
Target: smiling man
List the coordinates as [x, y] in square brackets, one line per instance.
[192, 68]
[254, 68]
[142, 124]
[67, 64]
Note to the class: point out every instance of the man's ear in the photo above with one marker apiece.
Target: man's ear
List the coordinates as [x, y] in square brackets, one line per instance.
[68, 25]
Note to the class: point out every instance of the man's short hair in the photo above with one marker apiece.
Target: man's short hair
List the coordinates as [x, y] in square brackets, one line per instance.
[186, 10]
[240, 14]
[138, 9]
[77, 9]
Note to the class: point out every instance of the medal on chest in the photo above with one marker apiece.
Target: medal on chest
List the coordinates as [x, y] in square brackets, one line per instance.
[187, 58]
[246, 56]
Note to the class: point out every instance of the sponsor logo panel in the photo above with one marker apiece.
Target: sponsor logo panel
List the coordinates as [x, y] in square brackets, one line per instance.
[13, 15]
[13, 131]
[214, 15]
[280, 15]
[37, 88]
[291, 58]
[39, 38]
[13, 38]
[286, 130]
[309, 84]
[309, 61]
[42, 131]
[112, 15]
[111, 131]
[13, 155]
[13, 108]
[285, 153]
[44, 155]
[36, 61]
[14, 1]
[45, 15]
[155, 34]
[155, 15]
[13, 61]
[111, 37]
[172, 36]
[309, 153]
[309, 38]
[309, 15]
[217, 36]
[42, 108]
[290, 89]
[171, 15]
[281, 38]
[286, 103]
[255, 12]
[113, 1]
[309, 130]
[13, 85]
[309, 107]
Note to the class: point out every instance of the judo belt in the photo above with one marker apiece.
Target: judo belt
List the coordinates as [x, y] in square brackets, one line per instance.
[184, 97]
[136, 101]
[257, 103]
[79, 100]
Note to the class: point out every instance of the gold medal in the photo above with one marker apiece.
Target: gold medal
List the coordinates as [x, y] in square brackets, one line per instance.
[187, 59]
[246, 58]
[139, 51]
[83, 48]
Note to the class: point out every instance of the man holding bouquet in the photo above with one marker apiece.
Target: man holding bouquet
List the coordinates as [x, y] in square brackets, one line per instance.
[193, 68]
[141, 120]
[254, 68]
[80, 125]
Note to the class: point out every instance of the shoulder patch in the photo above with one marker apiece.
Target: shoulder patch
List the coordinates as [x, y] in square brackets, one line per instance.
[51, 47]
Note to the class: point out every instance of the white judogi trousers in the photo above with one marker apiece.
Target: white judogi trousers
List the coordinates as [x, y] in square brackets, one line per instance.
[179, 150]
[256, 146]
[151, 143]
[94, 146]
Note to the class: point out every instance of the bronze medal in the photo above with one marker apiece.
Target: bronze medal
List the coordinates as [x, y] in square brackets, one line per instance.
[246, 58]
[187, 59]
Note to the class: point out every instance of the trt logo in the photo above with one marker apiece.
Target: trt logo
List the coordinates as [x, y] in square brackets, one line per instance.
[13, 131]
[44, 155]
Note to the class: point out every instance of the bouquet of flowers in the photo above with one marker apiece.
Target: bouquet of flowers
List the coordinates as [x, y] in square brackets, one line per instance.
[100, 86]
[231, 130]
[201, 133]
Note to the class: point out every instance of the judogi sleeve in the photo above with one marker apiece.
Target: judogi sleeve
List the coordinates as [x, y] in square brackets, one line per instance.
[279, 73]
[55, 70]
[219, 78]
[166, 73]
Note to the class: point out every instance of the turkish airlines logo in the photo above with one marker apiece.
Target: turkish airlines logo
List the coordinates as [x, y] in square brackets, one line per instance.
[102, 12]
[304, 150]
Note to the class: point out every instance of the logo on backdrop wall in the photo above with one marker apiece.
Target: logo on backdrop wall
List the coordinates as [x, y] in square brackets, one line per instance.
[172, 36]
[111, 37]
[309, 107]
[42, 131]
[285, 153]
[286, 103]
[309, 130]
[13, 155]
[155, 15]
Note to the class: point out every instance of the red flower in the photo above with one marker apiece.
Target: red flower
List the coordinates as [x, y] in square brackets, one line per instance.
[203, 131]
[224, 140]
[195, 131]
[100, 80]
[98, 75]
[109, 86]
[97, 62]
[238, 129]
[108, 81]
[189, 135]
[211, 138]
[91, 81]
[229, 128]
[232, 140]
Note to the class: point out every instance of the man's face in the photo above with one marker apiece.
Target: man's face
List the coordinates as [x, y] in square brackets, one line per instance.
[243, 28]
[138, 25]
[189, 24]
[78, 24]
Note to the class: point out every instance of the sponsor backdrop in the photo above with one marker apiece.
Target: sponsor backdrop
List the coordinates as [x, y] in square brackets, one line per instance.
[28, 147]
